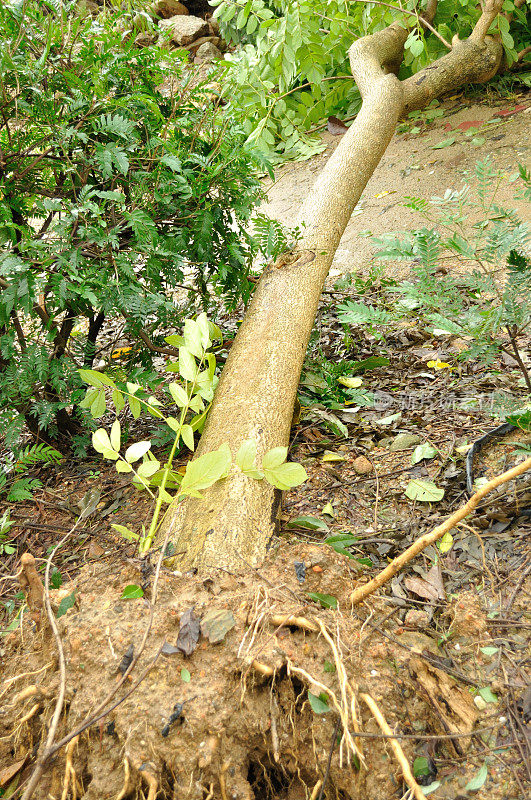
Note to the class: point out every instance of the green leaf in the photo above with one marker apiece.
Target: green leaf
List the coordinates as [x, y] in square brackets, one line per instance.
[319, 703]
[489, 651]
[187, 364]
[118, 400]
[423, 451]
[309, 523]
[246, 456]
[286, 475]
[329, 667]
[206, 470]
[185, 675]
[97, 379]
[102, 444]
[123, 466]
[179, 394]
[421, 767]
[423, 491]
[132, 592]
[444, 143]
[136, 451]
[445, 542]
[56, 579]
[65, 604]
[326, 600]
[99, 405]
[127, 533]
[135, 407]
[148, 468]
[187, 435]
[487, 694]
[478, 781]
[274, 458]
[115, 435]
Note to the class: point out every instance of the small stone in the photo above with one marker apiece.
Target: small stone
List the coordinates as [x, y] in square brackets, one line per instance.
[208, 52]
[416, 618]
[403, 441]
[480, 703]
[362, 465]
[166, 9]
[184, 30]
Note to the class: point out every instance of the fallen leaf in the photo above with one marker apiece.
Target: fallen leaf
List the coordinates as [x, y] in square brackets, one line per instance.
[309, 523]
[328, 455]
[336, 126]
[188, 632]
[474, 123]
[506, 112]
[423, 491]
[421, 588]
[8, 773]
[216, 624]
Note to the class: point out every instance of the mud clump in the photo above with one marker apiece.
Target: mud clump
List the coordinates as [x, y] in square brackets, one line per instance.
[250, 689]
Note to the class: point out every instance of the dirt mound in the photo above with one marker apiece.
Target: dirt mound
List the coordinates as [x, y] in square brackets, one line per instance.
[269, 703]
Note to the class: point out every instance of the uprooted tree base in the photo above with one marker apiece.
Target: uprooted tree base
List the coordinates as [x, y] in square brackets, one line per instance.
[247, 729]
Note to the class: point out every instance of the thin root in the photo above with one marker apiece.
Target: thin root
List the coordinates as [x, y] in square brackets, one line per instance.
[395, 745]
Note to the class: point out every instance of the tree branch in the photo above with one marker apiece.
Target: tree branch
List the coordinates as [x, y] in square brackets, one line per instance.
[362, 592]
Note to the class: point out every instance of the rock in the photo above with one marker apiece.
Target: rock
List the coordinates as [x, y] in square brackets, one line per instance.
[184, 30]
[403, 441]
[214, 26]
[362, 465]
[207, 52]
[145, 39]
[194, 47]
[416, 618]
[166, 9]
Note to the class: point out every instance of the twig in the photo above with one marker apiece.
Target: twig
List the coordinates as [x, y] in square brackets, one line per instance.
[417, 547]
[329, 762]
[41, 762]
[395, 745]
[517, 588]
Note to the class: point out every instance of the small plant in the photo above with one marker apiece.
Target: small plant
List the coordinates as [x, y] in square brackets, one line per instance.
[192, 396]
[5, 526]
[16, 488]
[488, 304]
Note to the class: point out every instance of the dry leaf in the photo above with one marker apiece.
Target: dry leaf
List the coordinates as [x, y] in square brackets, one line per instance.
[336, 127]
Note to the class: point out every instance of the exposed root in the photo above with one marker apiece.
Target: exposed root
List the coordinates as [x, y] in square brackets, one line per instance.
[297, 622]
[223, 780]
[70, 779]
[10, 681]
[126, 788]
[395, 745]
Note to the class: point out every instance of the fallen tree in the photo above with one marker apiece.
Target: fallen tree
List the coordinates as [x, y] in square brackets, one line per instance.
[233, 523]
[248, 724]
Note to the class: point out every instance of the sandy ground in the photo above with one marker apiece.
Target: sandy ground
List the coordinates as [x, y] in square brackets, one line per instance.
[412, 167]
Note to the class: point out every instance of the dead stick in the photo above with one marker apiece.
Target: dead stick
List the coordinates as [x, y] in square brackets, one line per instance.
[417, 547]
[395, 745]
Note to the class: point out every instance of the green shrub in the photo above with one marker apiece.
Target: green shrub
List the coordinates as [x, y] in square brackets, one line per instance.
[112, 193]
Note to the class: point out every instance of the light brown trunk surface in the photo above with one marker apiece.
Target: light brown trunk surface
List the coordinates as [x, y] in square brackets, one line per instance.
[233, 523]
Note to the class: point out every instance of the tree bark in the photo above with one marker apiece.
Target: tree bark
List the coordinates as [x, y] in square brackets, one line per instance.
[234, 522]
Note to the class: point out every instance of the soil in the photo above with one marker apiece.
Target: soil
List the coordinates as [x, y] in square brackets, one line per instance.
[411, 167]
[243, 703]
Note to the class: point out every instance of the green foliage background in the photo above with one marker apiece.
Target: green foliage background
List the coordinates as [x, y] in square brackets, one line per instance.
[292, 70]
[111, 193]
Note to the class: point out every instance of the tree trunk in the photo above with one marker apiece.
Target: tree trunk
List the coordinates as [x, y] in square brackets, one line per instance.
[233, 523]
